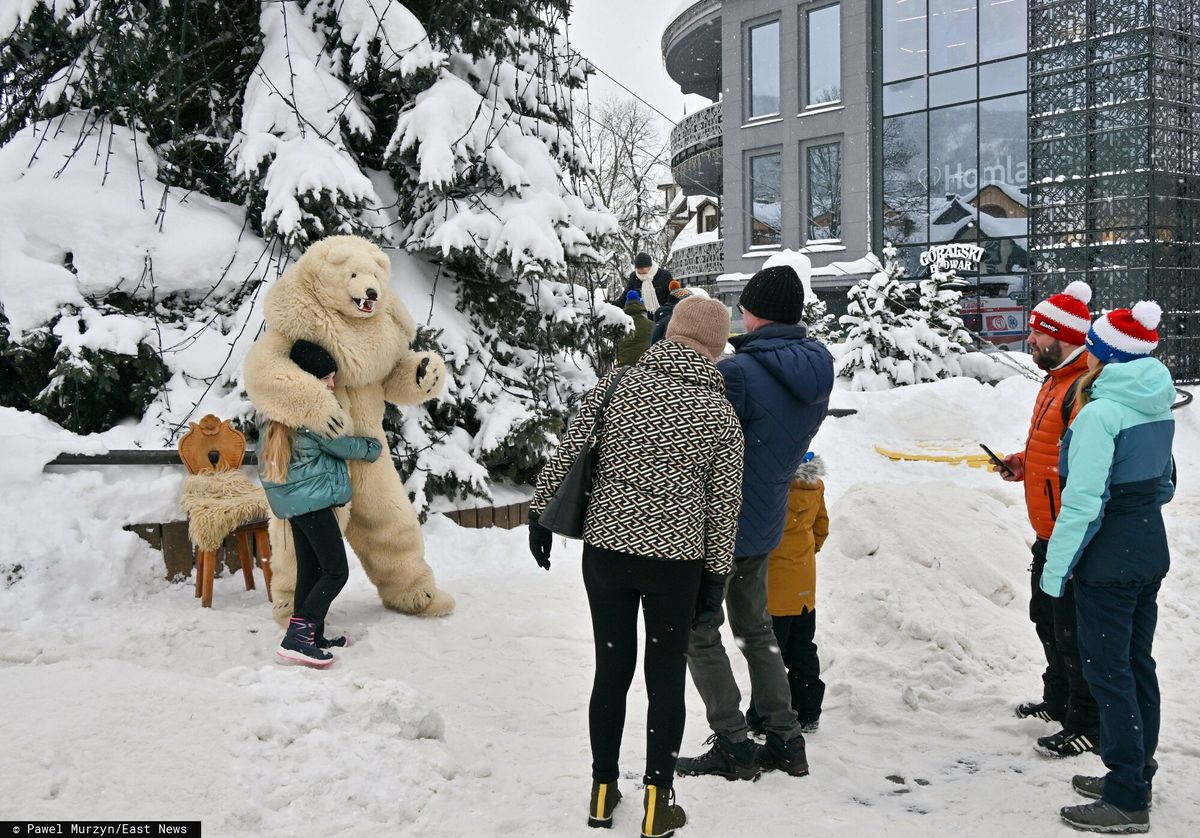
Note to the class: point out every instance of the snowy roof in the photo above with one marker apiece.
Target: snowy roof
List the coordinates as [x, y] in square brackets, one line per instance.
[989, 225]
[689, 237]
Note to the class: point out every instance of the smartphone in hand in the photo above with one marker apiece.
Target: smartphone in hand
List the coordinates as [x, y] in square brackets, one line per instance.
[999, 463]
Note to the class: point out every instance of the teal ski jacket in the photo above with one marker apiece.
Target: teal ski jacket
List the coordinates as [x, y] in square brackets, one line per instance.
[1116, 469]
[318, 476]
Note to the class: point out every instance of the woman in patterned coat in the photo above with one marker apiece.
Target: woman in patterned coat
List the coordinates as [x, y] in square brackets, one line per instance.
[665, 498]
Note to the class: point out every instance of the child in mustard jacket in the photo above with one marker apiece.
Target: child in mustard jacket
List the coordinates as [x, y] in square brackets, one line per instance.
[792, 592]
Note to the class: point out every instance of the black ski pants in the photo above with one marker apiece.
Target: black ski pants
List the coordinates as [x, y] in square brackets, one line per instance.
[1064, 687]
[617, 585]
[795, 634]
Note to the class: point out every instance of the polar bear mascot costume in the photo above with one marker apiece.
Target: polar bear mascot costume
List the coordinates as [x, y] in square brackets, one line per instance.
[339, 295]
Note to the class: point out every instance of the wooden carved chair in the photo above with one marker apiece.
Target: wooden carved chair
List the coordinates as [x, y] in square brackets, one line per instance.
[221, 502]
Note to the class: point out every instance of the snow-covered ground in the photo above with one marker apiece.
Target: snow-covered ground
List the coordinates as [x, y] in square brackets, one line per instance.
[121, 698]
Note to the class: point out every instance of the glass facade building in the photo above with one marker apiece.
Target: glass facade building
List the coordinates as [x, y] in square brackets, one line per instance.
[953, 145]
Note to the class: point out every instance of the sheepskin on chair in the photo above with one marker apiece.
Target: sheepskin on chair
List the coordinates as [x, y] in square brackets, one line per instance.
[217, 503]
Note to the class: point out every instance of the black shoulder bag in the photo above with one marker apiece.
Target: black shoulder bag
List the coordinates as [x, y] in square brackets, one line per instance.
[567, 509]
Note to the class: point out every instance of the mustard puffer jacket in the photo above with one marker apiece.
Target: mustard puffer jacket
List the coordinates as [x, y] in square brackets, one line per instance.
[792, 566]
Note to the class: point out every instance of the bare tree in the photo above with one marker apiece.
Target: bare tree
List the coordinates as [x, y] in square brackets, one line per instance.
[625, 143]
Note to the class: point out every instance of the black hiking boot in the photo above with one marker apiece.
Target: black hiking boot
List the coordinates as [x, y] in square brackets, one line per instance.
[786, 756]
[1093, 787]
[1066, 743]
[299, 645]
[1037, 710]
[1105, 817]
[605, 798]
[731, 760]
[662, 816]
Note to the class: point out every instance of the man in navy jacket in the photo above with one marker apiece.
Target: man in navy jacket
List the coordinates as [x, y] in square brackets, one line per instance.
[778, 382]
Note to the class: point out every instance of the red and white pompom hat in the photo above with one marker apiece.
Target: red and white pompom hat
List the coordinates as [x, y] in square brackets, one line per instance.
[1065, 316]
[1125, 334]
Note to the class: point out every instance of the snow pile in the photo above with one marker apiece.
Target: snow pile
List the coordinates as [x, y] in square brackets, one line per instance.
[266, 751]
[924, 618]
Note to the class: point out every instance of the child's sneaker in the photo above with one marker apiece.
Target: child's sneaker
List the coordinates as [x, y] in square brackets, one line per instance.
[299, 645]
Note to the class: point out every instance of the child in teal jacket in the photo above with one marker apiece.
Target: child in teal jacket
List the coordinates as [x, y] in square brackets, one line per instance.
[305, 476]
[1109, 537]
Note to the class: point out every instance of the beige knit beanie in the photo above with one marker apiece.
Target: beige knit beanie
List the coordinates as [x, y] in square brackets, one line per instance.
[702, 324]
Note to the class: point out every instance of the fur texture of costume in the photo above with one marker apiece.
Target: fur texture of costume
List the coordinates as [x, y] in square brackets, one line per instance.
[339, 295]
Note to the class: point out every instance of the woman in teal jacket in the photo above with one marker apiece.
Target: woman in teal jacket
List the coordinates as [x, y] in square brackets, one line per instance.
[305, 476]
[1110, 539]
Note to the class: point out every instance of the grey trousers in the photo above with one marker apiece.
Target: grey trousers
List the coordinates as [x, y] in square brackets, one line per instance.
[746, 604]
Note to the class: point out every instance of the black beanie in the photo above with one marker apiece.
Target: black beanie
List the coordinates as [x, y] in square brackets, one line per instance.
[313, 359]
[642, 260]
[774, 294]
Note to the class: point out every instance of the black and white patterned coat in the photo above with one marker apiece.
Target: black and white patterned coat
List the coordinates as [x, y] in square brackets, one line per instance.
[668, 480]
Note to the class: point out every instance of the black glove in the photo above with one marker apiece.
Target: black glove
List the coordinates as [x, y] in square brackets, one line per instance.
[710, 598]
[540, 540]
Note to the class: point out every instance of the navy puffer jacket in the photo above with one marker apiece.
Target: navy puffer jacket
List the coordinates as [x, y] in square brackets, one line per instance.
[778, 383]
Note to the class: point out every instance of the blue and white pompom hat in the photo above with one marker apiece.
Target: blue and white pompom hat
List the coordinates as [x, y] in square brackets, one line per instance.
[1125, 334]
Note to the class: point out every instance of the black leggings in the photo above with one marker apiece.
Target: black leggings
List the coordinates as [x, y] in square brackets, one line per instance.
[666, 590]
[321, 569]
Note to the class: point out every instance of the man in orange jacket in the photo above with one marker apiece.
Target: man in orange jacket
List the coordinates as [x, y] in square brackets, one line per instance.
[1057, 330]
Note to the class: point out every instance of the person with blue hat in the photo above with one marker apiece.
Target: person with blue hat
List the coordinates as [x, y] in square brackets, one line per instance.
[631, 347]
[1110, 541]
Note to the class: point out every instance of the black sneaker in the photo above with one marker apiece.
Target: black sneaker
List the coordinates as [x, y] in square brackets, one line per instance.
[1105, 817]
[786, 756]
[1093, 787]
[1037, 710]
[1066, 744]
[810, 727]
[299, 645]
[731, 760]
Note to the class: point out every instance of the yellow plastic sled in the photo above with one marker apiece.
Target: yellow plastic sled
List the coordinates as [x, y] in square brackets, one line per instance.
[936, 454]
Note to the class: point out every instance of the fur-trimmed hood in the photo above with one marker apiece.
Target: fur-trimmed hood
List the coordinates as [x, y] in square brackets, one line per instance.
[812, 471]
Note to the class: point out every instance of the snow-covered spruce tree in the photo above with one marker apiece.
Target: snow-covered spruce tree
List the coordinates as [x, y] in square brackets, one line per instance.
[820, 323]
[938, 322]
[882, 349]
[80, 72]
[439, 127]
[488, 155]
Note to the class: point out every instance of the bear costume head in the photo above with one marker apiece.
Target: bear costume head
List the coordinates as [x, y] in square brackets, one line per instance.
[339, 295]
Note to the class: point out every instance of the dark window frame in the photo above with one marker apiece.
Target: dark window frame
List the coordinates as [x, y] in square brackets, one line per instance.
[748, 115]
[804, 52]
[751, 218]
[806, 149]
